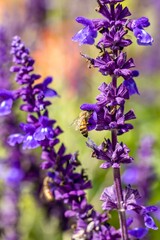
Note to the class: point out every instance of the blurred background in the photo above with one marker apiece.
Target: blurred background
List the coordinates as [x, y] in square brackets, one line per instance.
[46, 27]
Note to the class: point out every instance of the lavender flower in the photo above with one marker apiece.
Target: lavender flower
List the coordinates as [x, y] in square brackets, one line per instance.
[64, 182]
[108, 113]
[17, 167]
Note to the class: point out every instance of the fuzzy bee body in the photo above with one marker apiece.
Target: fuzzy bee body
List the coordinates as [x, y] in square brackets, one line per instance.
[46, 192]
[83, 128]
[81, 123]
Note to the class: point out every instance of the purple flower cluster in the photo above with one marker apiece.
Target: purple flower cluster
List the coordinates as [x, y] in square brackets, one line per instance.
[108, 113]
[65, 183]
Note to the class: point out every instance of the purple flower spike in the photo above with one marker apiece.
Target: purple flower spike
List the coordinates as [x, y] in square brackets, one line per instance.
[143, 38]
[87, 34]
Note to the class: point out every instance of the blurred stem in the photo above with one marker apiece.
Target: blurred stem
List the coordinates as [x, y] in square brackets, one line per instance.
[117, 182]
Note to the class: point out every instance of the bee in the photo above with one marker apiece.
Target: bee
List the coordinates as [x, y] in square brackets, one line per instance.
[81, 123]
[46, 191]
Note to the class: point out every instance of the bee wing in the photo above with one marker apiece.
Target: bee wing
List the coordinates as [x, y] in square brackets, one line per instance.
[76, 123]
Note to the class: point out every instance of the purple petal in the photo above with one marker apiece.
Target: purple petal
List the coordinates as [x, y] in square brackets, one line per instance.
[70, 213]
[138, 232]
[143, 38]
[129, 221]
[151, 209]
[88, 107]
[149, 222]
[43, 132]
[131, 86]
[85, 36]
[47, 81]
[29, 142]
[15, 138]
[105, 165]
[46, 165]
[5, 107]
[135, 73]
[50, 92]
[6, 94]
[14, 175]
[84, 21]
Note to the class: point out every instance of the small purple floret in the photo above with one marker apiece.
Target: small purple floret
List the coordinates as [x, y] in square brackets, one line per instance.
[130, 84]
[15, 139]
[5, 107]
[143, 38]
[87, 34]
[43, 87]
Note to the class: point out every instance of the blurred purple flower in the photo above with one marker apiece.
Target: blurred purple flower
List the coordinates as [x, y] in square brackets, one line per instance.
[6, 101]
[45, 130]
[133, 173]
[43, 87]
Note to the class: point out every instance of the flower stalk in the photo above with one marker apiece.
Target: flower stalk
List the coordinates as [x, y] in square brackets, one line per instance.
[108, 113]
[119, 191]
[121, 210]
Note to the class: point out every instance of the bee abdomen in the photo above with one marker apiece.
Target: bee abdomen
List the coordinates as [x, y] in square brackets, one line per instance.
[84, 131]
